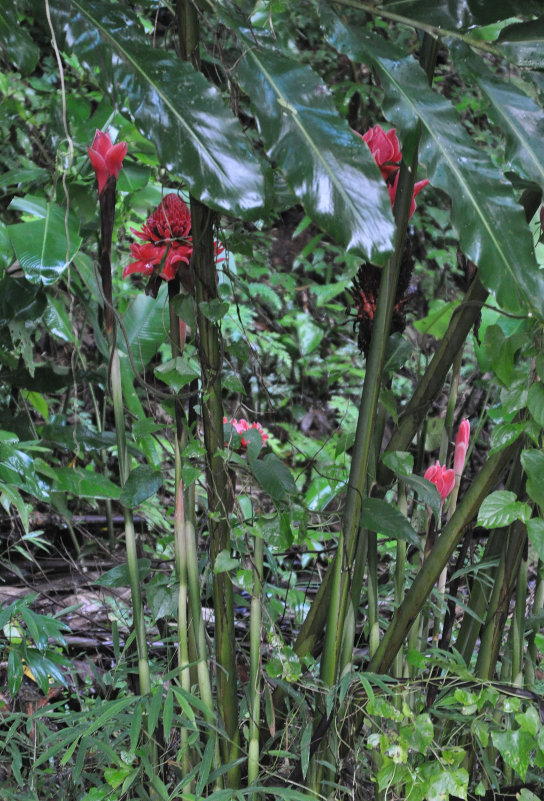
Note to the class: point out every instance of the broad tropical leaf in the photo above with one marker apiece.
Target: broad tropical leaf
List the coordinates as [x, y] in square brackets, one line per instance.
[523, 43]
[489, 223]
[463, 14]
[195, 134]
[45, 246]
[518, 116]
[15, 41]
[329, 169]
[146, 327]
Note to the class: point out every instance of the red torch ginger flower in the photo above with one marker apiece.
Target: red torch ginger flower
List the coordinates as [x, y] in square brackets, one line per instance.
[167, 240]
[106, 158]
[461, 447]
[385, 148]
[441, 477]
[242, 425]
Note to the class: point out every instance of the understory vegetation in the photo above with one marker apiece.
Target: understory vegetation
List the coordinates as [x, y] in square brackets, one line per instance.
[271, 400]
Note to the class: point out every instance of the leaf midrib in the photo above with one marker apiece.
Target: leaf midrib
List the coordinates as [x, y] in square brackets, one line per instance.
[295, 118]
[124, 53]
[458, 174]
[508, 120]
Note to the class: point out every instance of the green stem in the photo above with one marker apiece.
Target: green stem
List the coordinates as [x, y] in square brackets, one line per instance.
[211, 358]
[179, 542]
[432, 382]
[518, 621]
[372, 589]
[255, 663]
[130, 534]
[437, 560]
[364, 434]
[183, 594]
[499, 605]
[107, 218]
[400, 570]
[538, 603]
[359, 565]
[186, 551]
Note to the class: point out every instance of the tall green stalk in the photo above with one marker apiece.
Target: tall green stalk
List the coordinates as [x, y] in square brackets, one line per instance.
[488, 577]
[412, 417]
[210, 351]
[364, 434]
[255, 634]
[187, 560]
[518, 620]
[107, 197]
[183, 595]
[211, 357]
[400, 569]
[440, 553]
[130, 534]
[498, 608]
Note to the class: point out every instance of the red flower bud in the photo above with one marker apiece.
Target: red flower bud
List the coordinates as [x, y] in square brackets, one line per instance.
[385, 148]
[106, 158]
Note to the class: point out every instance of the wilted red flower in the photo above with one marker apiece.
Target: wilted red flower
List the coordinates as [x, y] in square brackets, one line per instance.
[242, 425]
[106, 158]
[167, 240]
[461, 447]
[441, 477]
[365, 290]
[385, 148]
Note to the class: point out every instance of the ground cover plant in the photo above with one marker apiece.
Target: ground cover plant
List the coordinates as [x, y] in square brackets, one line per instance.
[271, 413]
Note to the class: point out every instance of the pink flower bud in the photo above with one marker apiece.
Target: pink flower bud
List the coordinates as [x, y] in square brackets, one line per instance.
[106, 158]
[441, 477]
[461, 447]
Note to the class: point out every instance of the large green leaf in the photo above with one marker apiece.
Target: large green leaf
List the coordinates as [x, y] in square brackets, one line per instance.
[20, 300]
[488, 221]
[330, 170]
[384, 518]
[142, 483]
[195, 134]
[15, 41]
[273, 476]
[46, 246]
[533, 463]
[460, 13]
[146, 327]
[501, 508]
[85, 484]
[518, 116]
[523, 43]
